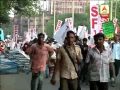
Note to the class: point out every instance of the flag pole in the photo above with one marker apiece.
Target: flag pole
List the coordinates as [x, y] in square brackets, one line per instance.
[43, 15]
[28, 25]
[54, 14]
[116, 9]
[73, 7]
[111, 10]
[43, 22]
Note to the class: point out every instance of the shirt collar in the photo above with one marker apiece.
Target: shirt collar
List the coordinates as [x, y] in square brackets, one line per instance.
[98, 50]
[70, 46]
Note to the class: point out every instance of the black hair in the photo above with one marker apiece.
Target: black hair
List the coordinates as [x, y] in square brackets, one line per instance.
[89, 37]
[35, 40]
[70, 32]
[98, 35]
[84, 39]
[49, 41]
[77, 38]
[40, 34]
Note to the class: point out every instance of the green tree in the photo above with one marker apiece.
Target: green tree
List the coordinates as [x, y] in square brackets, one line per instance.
[80, 19]
[8, 29]
[21, 7]
[4, 18]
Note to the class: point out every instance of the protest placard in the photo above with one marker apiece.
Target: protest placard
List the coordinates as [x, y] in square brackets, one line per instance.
[108, 29]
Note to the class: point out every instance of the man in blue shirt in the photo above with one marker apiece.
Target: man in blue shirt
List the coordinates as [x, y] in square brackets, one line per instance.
[116, 53]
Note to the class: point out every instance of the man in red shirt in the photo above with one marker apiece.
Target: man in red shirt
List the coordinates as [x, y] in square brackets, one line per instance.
[39, 53]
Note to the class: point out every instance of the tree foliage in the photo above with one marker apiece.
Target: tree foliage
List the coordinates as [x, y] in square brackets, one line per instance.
[80, 19]
[8, 29]
[29, 9]
[20, 7]
[4, 18]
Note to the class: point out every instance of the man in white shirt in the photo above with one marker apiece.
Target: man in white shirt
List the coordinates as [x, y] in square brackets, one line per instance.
[106, 44]
[99, 60]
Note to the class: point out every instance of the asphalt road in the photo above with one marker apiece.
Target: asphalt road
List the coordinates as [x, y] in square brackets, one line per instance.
[21, 81]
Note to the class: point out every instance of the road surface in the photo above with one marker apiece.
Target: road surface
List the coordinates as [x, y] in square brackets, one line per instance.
[21, 81]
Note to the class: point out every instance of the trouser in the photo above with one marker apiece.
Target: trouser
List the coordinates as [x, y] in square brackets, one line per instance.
[117, 67]
[84, 73]
[37, 81]
[68, 84]
[47, 72]
[97, 85]
[51, 70]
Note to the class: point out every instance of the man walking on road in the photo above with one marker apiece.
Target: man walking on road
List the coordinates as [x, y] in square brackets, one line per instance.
[99, 60]
[84, 68]
[116, 53]
[64, 65]
[39, 53]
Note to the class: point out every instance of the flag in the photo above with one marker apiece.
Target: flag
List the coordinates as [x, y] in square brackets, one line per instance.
[94, 17]
[61, 34]
[70, 23]
[59, 24]
[27, 36]
[82, 32]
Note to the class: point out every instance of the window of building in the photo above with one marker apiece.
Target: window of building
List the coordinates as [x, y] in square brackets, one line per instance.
[31, 20]
[25, 21]
[81, 4]
[81, 10]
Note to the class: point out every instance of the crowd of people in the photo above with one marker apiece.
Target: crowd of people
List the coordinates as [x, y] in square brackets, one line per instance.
[9, 44]
[74, 62]
[4, 46]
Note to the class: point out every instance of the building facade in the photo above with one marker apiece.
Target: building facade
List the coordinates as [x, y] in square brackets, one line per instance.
[48, 7]
[26, 24]
[68, 6]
